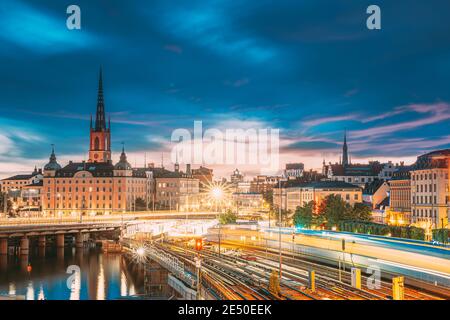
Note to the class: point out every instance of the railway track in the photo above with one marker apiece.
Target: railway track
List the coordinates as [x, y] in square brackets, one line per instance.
[255, 274]
[236, 283]
[332, 274]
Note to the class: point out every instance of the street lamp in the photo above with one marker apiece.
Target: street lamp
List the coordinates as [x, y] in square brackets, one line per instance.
[279, 226]
[217, 195]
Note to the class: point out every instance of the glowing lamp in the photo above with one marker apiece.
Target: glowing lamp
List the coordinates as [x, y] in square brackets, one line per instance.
[198, 244]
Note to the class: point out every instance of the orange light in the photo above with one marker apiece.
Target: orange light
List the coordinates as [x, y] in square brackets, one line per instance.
[198, 244]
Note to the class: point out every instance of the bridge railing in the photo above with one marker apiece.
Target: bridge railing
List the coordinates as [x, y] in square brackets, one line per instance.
[126, 216]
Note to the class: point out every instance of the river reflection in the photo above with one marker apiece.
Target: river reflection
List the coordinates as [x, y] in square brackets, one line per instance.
[101, 277]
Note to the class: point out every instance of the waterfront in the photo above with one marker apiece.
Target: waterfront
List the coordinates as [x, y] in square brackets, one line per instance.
[102, 276]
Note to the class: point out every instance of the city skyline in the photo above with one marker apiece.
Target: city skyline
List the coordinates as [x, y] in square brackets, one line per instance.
[203, 153]
[392, 108]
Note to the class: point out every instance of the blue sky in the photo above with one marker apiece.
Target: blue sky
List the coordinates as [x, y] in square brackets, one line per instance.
[310, 68]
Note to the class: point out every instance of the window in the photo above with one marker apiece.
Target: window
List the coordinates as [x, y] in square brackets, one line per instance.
[96, 144]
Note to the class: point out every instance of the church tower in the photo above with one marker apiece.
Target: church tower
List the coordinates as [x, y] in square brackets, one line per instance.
[100, 135]
[345, 151]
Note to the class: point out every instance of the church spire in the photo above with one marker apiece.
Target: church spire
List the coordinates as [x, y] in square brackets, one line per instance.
[100, 123]
[345, 151]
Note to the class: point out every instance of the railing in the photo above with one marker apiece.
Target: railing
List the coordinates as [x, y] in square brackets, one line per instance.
[112, 217]
[173, 264]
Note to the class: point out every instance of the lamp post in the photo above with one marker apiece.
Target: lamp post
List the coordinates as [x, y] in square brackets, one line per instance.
[279, 229]
[217, 194]
[58, 196]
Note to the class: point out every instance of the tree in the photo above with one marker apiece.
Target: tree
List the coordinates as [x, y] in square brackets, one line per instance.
[227, 217]
[333, 209]
[140, 204]
[304, 216]
[268, 198]
[361, 212]
[286, 215]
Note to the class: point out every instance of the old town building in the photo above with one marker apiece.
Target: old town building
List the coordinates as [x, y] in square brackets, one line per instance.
[96, 186]
[294, 194]
[356, 173]
[400, 197]
[23, 191]
[429, 189]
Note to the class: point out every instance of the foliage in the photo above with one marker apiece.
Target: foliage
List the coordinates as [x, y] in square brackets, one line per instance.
[441, 235]
[360, 212]
[382, 229]
[227, 217]
[286, 216]
[304, 216]
[268, 198]
[334, 209]
[140, 205]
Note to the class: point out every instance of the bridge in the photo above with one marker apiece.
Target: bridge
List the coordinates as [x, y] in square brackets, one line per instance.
[41, 227]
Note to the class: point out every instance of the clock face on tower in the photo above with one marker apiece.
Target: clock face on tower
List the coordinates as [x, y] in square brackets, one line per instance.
[95, 156]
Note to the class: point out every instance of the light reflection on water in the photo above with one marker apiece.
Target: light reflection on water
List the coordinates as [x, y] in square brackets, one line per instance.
[102, 276]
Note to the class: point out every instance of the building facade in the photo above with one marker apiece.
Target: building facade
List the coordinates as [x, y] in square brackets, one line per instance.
[96, 186]
[345, 171]
[248, 202]
[264, 184]
[400, 198]
[176, 191]
[294, 170]
[429, 189]
[375, 193]
[24, 192]
[293, 195]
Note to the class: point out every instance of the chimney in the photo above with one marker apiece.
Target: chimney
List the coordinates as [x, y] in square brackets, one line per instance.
[188, 168]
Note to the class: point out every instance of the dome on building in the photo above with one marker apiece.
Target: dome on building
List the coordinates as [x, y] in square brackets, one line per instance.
[123, 164]
[52, 165]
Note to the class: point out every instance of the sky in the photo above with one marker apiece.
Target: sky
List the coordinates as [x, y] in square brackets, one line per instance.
[309, 68]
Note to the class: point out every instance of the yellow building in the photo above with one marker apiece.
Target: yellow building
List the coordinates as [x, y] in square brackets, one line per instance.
[24, 191]
[96, 186]
[400, 197]
[295, 195]
[429, 189]
[176, 191]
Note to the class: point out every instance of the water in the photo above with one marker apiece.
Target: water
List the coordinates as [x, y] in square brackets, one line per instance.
[102, 276]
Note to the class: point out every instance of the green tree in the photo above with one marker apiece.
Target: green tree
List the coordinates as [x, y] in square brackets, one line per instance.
[228, 217]
[140, 205]
[268, 198]
[333, 210]
[304, 216]
[286, 216]
[360, 212]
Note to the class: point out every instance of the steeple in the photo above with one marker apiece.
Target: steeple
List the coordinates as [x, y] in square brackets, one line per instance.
[52, 155]
[100, 123]
[177, 166]
[52, 164]
[123, 163]
[100, 135]
[123, 156]
[345, 151]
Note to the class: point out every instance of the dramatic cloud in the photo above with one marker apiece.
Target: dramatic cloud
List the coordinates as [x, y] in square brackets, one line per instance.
[293, 66]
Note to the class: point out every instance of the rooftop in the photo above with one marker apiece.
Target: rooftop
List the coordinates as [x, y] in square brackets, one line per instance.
[319, 185]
